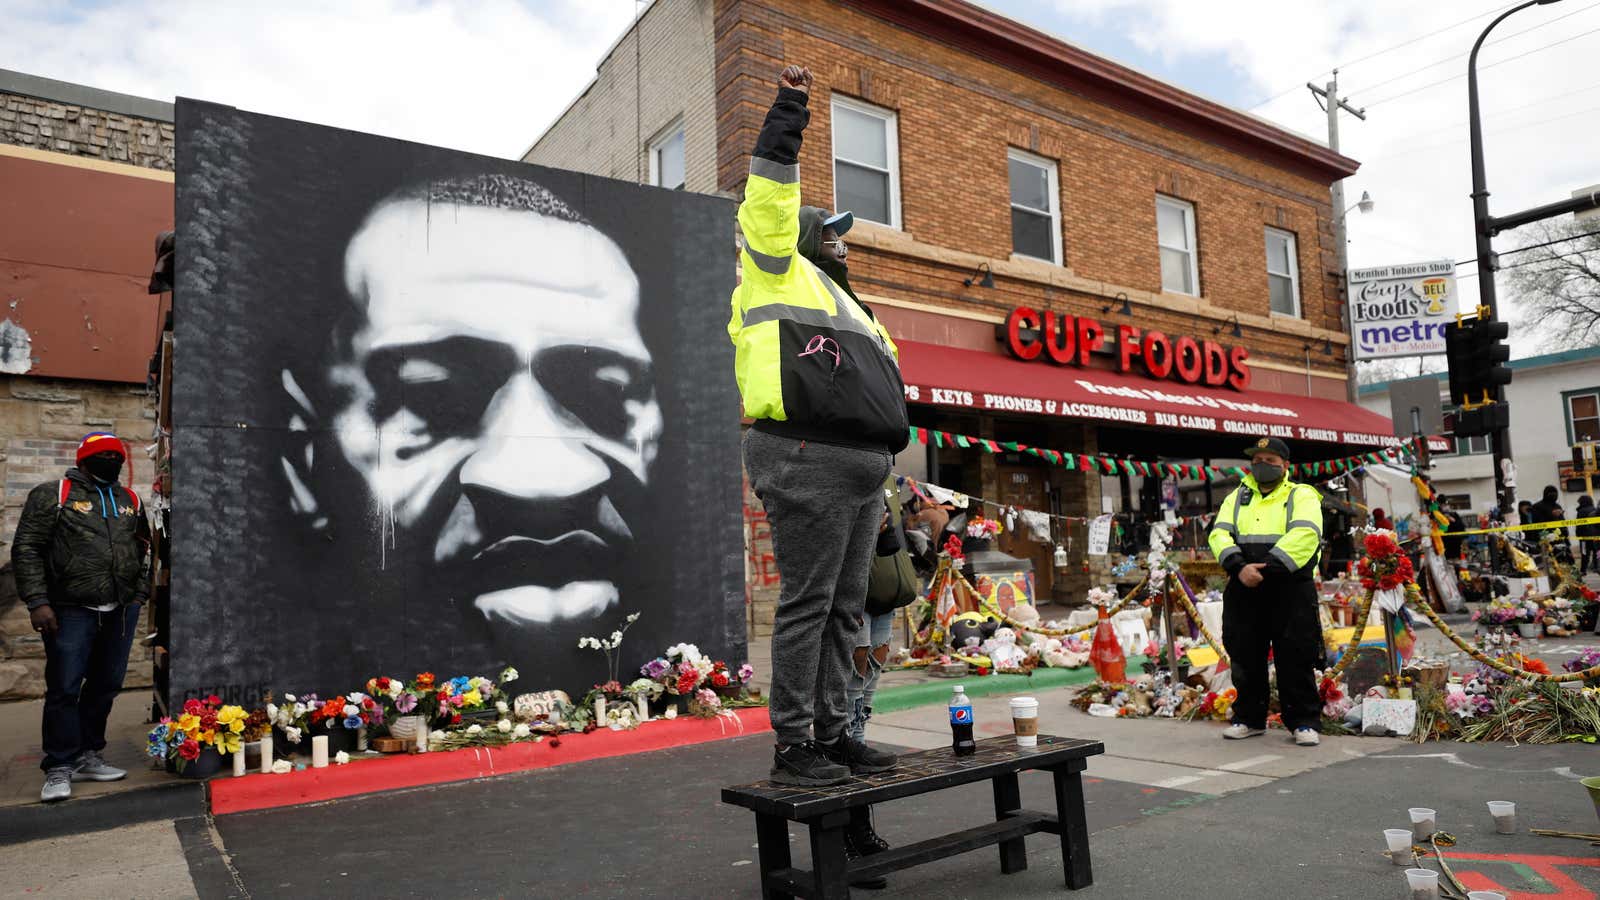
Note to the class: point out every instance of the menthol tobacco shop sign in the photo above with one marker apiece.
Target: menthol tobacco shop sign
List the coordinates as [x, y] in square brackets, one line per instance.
[1401, 310]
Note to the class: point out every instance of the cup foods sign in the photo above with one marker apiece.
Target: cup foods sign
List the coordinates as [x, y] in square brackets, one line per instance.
[1401, 310]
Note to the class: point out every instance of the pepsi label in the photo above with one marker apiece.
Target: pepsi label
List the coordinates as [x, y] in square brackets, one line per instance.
[960, 715]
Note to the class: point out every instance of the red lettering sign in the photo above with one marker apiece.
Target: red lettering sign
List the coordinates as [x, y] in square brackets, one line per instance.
[1020, 318]
[1069, 340]
[1157, 354]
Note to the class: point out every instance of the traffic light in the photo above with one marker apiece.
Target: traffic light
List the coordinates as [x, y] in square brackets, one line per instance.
[1476, 353]
[1483, 419]
[1458, 353]
[1489, 356]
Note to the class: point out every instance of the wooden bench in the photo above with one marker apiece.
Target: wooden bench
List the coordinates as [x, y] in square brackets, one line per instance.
[826, 811]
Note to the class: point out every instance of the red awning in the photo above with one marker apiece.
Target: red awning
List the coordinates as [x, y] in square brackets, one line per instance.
[944, 376]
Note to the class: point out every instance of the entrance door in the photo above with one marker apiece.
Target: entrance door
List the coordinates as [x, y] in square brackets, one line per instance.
[1025, 488]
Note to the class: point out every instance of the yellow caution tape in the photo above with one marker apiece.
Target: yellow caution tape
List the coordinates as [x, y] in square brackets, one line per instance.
[1539, 526]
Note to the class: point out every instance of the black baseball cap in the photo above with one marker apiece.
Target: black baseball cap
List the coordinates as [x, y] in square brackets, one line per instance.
[1268, 445]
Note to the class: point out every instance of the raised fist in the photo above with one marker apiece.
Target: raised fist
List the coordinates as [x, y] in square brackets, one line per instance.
[797, 77]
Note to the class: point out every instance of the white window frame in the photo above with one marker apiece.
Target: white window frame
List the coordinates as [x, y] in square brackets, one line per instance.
[891, 144]
[675, 130]
[1193, 251]
[1293, 274]
[1054, 198]
[1572, 421]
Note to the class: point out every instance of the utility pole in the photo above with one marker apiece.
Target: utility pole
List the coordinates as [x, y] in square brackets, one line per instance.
[1328, 97]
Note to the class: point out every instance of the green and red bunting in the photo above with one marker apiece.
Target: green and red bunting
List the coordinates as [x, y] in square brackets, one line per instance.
[1108, 465]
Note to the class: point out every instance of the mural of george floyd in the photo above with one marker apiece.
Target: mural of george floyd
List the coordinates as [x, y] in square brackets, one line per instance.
[444, 412]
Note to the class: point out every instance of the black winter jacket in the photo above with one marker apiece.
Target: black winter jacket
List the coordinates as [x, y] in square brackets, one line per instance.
[88, 551]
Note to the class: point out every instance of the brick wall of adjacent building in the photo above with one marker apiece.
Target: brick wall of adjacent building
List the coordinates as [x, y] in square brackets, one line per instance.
[43, 419]
[68, 128]
[608, 130]
[958, 114]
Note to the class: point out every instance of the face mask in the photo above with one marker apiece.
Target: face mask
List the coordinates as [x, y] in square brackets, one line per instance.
[1266, 473]
[104, 471]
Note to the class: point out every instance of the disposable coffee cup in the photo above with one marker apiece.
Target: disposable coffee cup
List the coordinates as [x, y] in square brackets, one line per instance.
[1424, 884]
[1485, 895]
[1505, 816]
[1399, 841]
[1025, 721]
[1423, 823]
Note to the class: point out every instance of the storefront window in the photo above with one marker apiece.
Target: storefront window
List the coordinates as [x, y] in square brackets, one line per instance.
[1283, 273]
[1035, 220]
[1175, 233]
[866, 167]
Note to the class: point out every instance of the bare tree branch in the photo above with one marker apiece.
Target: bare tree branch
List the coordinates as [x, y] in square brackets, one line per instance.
[1556, 288]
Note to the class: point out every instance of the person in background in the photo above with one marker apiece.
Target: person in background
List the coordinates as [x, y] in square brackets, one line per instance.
[1380, 519]
[891, 585]
[1525, 512]
[81, 566]
[1453, 541]
[1548, 509]
[1588, 547]
[1266, 536]
[821, 378]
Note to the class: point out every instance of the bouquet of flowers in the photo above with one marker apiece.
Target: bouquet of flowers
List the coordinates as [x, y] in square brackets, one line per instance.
[1105, 596]
[1586, 660]
[203, 724]
[1384, 568]
[1500, 611]
[980, 528]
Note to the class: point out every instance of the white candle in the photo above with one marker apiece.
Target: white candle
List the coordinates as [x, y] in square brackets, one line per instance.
[238, 763]
[266, 754]
[643, 702]
[600, 710]
[422, 737]
[319, 752]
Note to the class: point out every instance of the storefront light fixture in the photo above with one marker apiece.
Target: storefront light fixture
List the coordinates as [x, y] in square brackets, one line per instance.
[1127, 306]
[1061, 560]
[1236, 331]
[986, 279]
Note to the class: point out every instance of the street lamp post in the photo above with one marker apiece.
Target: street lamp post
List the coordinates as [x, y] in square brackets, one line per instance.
[1483, 226]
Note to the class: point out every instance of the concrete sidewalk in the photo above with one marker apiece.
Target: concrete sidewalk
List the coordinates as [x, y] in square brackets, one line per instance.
[21, 777]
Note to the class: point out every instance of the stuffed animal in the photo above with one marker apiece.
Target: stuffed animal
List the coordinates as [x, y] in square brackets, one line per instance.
[968, 631]
[1002, 649]
[1025, 615]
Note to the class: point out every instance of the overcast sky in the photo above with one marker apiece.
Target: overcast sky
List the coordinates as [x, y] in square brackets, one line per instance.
[489, 75]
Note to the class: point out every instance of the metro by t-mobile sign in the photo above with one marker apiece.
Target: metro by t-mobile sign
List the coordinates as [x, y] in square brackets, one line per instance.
[1069, 340]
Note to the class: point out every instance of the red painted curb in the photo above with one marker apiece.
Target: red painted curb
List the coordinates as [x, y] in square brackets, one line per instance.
[234, 795]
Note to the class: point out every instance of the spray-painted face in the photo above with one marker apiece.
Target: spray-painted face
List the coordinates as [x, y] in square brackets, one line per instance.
[504, 414]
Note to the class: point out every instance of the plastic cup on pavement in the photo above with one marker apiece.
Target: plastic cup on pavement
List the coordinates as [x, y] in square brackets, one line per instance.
[1399, 841]
[1423, 823]
[1505, 816]
[1025, 721]
[1424, 884]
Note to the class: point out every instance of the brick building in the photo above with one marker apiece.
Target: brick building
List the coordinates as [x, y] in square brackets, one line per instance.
[85, 187]
[992, 169]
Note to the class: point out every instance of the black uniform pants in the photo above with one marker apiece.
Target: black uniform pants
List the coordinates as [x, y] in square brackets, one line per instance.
[1280, 616]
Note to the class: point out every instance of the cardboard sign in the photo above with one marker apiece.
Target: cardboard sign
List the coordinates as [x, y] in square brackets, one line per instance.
[1100, 536]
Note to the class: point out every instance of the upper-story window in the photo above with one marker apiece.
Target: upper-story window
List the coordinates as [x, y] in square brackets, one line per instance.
[866, 161]
[1583, 415]
[1283, 272]
[1035, 206]
[666, 159]
[1180, 272]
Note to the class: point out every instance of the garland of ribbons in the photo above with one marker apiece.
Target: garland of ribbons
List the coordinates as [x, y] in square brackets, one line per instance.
[1108, 465]
[1186, 597]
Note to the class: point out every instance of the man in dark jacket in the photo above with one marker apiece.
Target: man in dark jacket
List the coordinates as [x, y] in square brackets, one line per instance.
[1587, 545]
[1548, 509]
[80, 561]
[821, 378]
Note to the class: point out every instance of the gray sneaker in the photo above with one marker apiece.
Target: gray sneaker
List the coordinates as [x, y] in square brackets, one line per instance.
[93, 767]
[57, 784]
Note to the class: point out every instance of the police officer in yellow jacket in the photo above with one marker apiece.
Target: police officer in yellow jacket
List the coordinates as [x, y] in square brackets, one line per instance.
[1267, 536]
[820, 377]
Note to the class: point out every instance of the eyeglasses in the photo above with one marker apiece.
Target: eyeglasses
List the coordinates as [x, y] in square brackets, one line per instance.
[840, 242]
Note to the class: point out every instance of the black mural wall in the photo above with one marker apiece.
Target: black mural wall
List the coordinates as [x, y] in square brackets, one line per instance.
[437, 411]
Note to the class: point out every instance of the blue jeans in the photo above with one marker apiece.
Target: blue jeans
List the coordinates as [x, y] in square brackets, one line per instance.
[84, 664]
[861, 686]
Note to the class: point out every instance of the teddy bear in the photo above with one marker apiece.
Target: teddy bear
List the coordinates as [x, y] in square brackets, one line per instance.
[968, 631]
[1058, 655]
[1025, 615]
[1002, 649]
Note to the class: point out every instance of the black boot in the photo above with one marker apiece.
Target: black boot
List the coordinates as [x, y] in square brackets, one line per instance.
[860, 841]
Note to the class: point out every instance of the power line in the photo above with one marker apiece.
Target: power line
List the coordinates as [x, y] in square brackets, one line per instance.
[1461, 140]
[1457, 56]
[1435, 84]
[1472, 259]
[1379, 53]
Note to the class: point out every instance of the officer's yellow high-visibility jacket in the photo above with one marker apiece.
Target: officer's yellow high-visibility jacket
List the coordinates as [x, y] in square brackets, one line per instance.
[811, 360]
[1282, 529]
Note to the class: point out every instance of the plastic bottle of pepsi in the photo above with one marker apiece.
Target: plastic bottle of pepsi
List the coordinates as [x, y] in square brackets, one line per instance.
[961, 723]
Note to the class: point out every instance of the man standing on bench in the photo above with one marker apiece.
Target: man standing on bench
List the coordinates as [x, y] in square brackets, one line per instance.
[821, 378]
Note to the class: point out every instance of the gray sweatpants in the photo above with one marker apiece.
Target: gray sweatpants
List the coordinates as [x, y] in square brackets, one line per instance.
[825, 505]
